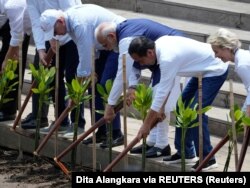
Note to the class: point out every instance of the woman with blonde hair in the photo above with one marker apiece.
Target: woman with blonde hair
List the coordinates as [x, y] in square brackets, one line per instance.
[226, 46]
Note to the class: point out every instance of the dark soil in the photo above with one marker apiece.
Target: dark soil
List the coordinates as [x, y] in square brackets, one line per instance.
[29, 170]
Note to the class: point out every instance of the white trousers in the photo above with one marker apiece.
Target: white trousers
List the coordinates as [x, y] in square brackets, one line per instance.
[158, 136]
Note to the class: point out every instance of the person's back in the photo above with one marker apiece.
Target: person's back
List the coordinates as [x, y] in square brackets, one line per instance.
[191, 57]
[144, 27]
[83, 15]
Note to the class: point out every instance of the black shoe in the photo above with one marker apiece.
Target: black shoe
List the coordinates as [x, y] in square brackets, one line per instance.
[32, 124]
[211, 164]
[7, 117]
[138, 149]
[157, 152]
[176, 158]
[116, 142]
[99, 138]
[28, 118]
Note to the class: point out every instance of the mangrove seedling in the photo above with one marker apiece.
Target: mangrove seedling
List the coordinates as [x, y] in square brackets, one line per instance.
[8, 74]
[76, 92]
[186, 118]
[241, 120]
[142, 103]
[104, 92]
[43, 77]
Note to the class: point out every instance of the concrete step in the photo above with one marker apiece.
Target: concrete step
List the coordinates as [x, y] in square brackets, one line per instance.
[12, 140]
[223, 97]
[218, 122]
[225, 13]
[218, 115]
[195, 30]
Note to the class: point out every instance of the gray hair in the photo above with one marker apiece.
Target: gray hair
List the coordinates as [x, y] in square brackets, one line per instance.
[225, 39]
[104, 29]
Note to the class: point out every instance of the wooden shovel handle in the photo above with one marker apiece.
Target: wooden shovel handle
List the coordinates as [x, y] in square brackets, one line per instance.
[99, 123]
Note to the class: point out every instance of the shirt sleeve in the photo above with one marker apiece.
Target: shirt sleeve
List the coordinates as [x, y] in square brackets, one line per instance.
[117, 87]
[169, 71]
[65, 4]
[134, 76]
[15, 14]
[243, 73]
[37, 31]
[85, 44]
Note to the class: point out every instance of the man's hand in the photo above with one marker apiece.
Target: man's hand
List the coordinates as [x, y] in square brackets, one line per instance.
[109, 113]
[161, 115]
[130, 96]
[149, 122]
[143, 132]
[42, 55]
[13, 54]
[71, 103]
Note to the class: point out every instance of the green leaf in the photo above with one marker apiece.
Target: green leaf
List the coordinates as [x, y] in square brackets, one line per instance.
[246, 121]
[10, 75]
[35, 90]
[100, 89]
[207, 108]
[238, 114]
[75, 85]
[108, 85]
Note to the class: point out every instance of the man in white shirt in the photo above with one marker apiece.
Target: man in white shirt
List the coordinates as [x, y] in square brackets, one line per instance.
[14, 27]
[80, 22]
[118, 37]
[68, 58]
[183, 57]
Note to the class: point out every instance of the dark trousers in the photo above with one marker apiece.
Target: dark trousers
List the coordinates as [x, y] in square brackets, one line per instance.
[69, 59]
[11, 107]
[106, 68]
[210, 88]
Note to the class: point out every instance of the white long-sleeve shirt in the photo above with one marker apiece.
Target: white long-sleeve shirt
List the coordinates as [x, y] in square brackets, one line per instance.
[116, 90]
[183, 57]
[16, 12]
[242, 68]
[36, 8]
[81, 22]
